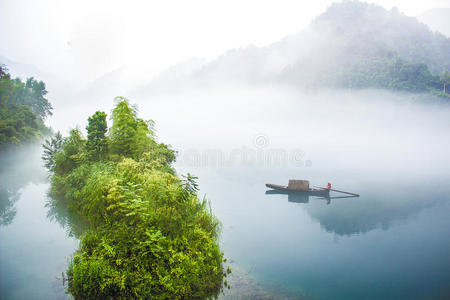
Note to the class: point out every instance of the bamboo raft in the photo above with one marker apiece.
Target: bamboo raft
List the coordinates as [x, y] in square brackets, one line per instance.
[322, 192]
[302, 187]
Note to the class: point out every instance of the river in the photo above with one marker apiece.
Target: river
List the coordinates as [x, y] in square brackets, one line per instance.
[392, 242]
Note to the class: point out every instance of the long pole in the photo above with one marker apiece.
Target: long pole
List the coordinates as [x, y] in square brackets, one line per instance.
[348, 193]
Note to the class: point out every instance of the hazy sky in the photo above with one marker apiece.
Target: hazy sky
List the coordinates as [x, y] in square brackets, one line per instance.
[85, 39]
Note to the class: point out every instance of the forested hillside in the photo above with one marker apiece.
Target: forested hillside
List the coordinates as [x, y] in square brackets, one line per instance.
[23, 109]
[364, 46]
[352, 45]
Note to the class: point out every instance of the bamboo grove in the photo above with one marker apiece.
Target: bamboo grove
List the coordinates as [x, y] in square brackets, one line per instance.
[149, 235]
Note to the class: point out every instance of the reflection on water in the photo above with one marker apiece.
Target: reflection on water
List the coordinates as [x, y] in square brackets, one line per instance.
[19, 167]
[349, 215]
[304, 197]
[33, 249]
[370, 212]
[390, 243]
[58, 211]
[292, 197]
[7, 208]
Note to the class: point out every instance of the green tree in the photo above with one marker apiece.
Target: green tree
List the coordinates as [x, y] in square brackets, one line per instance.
[3, 70]
[96, 136]
[72, 153]
[51, 147]
[37, 102]
[23, 109]
[445, 78]
[124, 127]
[130, 136]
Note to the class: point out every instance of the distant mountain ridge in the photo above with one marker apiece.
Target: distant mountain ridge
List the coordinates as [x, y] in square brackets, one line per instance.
[404, 35]
[17, 69]
[351, 45]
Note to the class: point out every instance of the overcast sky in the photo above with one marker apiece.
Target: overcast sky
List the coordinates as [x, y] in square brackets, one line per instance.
[85, 38]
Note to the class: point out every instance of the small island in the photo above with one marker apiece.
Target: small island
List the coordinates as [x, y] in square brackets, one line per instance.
[149, 235]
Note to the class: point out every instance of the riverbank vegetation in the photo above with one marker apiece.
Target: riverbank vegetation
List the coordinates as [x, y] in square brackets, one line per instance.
[23, 109]
[149, 235]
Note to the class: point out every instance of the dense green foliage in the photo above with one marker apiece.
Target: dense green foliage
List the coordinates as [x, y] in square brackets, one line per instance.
[380, 72]
[97, 144]
[51, 147]
[23, 109]
[149, 235]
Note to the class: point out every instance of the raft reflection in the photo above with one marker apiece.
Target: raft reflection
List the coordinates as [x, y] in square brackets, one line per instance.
[372, 211]
[304, 198]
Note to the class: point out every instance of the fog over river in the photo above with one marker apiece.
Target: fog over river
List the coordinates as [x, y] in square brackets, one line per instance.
[392, 149]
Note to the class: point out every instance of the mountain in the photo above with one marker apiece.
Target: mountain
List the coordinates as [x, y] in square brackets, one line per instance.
[438, 19]
[17, 69]
[362, 45]
[177, 73]
[351, 45]
[360, 23]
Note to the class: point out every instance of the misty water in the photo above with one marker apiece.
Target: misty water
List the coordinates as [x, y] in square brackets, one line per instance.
[392, 242]
[34, 248]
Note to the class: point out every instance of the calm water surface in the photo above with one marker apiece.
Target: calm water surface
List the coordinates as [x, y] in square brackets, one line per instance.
[34, 250]
[393, 242]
